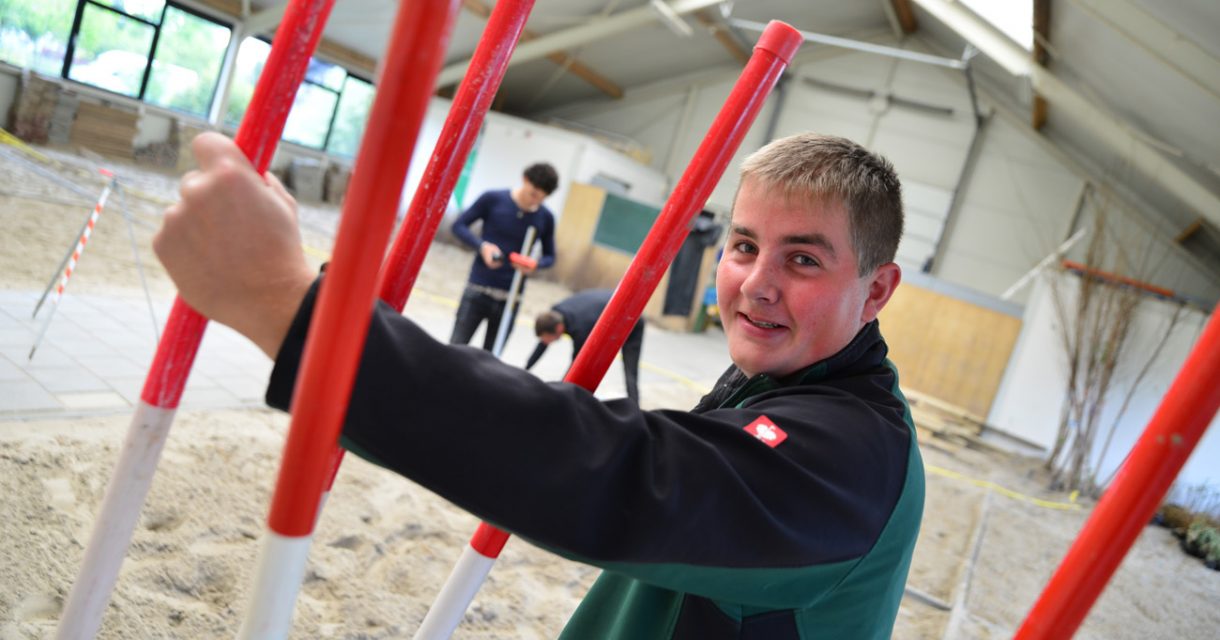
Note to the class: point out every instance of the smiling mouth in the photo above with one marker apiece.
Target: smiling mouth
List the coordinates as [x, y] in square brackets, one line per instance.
[760, 324]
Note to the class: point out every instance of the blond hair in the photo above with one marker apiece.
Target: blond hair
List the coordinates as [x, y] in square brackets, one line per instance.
[812, 167]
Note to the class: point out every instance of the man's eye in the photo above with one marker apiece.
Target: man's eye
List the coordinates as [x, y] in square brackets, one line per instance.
[745, 247]
[805, 261]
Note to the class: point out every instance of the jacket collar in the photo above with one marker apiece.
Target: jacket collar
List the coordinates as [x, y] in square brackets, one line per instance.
[865, 351]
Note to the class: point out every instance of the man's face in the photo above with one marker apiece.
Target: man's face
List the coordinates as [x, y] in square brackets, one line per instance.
[528, 196]
[548, 338]
[787, 285]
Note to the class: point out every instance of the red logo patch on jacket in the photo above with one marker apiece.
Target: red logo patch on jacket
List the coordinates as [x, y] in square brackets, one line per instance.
[767, 431]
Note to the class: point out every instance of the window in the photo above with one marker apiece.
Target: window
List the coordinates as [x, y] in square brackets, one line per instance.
[169, 55]
[152, 50]
[309, 121]
[34, 33]
[111, 50]
[330, 108]
[251, 57]
[187, 62]
[354, 105]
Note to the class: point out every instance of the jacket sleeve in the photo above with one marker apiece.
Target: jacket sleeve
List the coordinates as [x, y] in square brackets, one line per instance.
[536, 355]
[461, 226]
[638, 492]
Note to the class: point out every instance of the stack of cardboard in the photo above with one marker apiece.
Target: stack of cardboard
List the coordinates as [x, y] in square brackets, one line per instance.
[108, 130]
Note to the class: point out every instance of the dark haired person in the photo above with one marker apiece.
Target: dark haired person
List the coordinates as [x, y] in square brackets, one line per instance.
[785, 505]
[506, 216]
[576, 315]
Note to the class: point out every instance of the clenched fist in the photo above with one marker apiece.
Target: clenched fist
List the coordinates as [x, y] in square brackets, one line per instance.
[232, 245]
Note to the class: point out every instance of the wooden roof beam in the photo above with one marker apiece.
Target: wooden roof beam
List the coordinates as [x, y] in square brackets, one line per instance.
[906, 15]
[564, 60]
[723, 36]
[1042, 35]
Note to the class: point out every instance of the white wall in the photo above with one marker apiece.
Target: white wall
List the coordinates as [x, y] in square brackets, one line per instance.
[507, 145]
[1013, 209]
[1031, 395]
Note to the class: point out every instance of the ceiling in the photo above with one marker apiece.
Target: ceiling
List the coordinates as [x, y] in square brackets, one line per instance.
[1129, 88]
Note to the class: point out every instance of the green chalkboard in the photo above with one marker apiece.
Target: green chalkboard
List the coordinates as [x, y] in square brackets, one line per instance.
[624, 223]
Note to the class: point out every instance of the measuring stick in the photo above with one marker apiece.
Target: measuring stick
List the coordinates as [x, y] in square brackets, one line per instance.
[68, 265]
[514, 292]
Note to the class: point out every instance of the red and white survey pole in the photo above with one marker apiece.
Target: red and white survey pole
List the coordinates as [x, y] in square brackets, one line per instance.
[1128, 504]
[340, 320]
[260, 130]
[461, 128]
[68, 264]
[775, 48]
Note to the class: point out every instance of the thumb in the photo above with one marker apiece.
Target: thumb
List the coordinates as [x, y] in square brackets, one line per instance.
[212, 149]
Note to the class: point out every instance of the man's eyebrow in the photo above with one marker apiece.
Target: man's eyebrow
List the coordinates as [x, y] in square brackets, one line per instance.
[815, 239]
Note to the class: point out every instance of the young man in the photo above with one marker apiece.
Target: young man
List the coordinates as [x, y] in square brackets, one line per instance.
[576, 315]
[506, 217]
[785, 505]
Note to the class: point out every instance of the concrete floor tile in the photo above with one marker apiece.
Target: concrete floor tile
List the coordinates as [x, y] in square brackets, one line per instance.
[68, 380]
[26, 396]
[92, 400]
[9, 371]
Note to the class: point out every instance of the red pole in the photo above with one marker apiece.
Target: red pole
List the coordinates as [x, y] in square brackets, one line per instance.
[259, 132]
[340, 322]
[474, 95]
[470, 105]
[774, 50]
[257, 137]
[1126, 507]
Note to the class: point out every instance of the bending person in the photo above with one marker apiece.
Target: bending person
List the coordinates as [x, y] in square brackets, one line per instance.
[576, 315]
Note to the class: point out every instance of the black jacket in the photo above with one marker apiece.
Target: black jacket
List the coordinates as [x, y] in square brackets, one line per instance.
[705, 528]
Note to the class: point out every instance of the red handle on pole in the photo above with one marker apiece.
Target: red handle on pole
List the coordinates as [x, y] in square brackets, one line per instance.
[473, 98]
[772, 54]
[257, 137]
[340, 323]
[1124, 510]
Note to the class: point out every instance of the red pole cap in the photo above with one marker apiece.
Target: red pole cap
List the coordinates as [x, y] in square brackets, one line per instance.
[781, 39]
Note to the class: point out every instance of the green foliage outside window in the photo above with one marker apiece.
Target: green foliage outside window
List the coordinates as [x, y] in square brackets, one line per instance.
[149, 10]
[187, 63]
[34, 33]
[309, 120]
[111, 51]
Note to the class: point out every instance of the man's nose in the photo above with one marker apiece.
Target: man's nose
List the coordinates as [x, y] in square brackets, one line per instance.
[761, 283]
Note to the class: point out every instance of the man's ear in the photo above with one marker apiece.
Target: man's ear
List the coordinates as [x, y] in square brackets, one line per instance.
[881, 285]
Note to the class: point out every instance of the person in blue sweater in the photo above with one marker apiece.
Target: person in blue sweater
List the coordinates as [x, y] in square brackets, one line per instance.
[506, 216]
[784, 505]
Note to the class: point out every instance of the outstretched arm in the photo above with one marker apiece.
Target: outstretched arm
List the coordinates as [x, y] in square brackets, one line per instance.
[232, 245]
